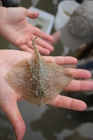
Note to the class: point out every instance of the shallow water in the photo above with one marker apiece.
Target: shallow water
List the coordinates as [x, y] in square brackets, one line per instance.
[48, 123]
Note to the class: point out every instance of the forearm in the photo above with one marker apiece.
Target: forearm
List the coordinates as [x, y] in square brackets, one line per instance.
[0, 3]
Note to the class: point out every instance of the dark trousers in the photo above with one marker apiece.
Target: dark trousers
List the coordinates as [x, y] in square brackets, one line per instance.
[79, 1]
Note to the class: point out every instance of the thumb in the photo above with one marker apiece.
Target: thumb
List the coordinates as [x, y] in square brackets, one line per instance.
[12, 112]
[32, 14]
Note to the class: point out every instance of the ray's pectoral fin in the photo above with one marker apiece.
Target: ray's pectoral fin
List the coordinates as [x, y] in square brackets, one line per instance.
[36, 80]
[20, 78]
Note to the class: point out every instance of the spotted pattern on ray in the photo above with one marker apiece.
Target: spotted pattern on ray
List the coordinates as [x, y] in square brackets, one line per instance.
[37, 80]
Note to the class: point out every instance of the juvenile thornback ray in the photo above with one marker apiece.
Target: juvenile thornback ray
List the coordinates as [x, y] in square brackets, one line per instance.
[36, 80]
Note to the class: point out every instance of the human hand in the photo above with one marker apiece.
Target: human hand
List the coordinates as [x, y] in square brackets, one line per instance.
[9, 98]
[17, 30]
[56, 36]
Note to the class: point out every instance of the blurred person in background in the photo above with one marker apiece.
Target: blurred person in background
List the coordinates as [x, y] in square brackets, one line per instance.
[77, 35]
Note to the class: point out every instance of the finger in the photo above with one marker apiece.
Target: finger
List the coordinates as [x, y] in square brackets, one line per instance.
[43, 35]
[77, 85]
[80, 73]
[12, 112]
[68, 103]
[60, 60]
[32, 14]
[26, 48]
[40, 49]
[44, 44]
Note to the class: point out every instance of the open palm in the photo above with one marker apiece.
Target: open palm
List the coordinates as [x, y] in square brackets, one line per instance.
[9, 98]
[16, 29]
